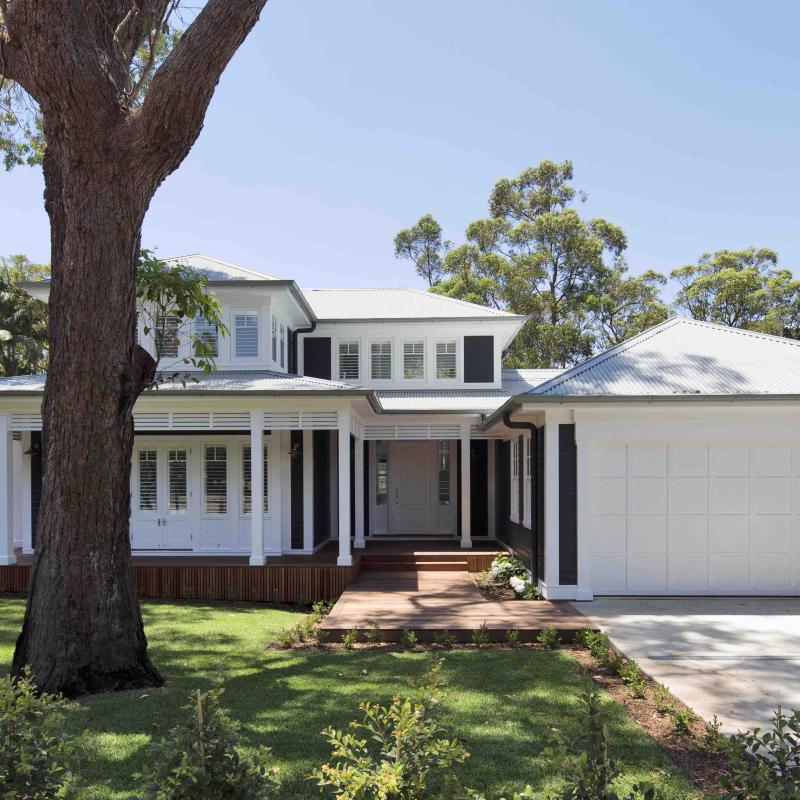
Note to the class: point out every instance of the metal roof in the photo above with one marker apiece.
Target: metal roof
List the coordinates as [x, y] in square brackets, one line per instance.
[685, 357]
[215, 269]
[386, 304]
[517, 381]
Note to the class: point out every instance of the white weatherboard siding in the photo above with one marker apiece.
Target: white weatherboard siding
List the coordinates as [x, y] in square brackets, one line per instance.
[694, 509]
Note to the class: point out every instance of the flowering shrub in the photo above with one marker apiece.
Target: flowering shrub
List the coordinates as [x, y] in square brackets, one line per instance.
[505, 566]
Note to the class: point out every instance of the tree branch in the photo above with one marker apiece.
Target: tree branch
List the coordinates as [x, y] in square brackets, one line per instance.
[171, 116]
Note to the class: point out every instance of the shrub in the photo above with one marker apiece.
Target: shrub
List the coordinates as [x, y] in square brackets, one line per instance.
[765, 764]
[480, 636]
[584, 637]
[408, 639]
[682, 718]
[590, 772]
[201, 759]
[321, 609]
[287, 638]
[402, 748]
[350, 638]
[512, 637]
[505, 566]
[632, 678]
[34, 759]
[305, 628]
[662, 699]
[374, 633]
[713, 740]
[444, 639]
[549, 638]
[322, 636]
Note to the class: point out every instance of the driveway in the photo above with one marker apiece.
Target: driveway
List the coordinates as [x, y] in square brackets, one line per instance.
[738, 658]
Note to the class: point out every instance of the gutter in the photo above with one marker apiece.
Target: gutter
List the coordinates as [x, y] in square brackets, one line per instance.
[295, 334]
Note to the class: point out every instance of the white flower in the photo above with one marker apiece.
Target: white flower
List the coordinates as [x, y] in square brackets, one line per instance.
[517, 584]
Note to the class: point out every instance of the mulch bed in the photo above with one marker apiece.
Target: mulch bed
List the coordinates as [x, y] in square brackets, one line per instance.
[491, 589]
[703, 766]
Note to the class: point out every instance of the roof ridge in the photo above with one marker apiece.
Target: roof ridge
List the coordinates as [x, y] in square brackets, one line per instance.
[254, 272]
[773, 337]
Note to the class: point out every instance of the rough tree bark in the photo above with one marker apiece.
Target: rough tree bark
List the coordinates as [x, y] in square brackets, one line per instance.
[105, 158]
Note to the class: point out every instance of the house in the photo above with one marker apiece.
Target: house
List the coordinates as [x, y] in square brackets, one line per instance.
[669, 464]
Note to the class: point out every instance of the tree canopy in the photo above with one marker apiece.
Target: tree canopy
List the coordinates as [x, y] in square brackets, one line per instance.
[23, 320]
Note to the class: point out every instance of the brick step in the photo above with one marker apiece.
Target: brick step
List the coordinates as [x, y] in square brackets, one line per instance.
[393, 565]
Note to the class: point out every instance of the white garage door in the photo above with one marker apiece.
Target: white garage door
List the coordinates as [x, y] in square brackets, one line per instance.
[689, 517]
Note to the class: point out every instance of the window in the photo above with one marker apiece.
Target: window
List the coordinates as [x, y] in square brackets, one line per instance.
[514, 459]
[283, 345]
[167, 341]
[216, 479]
[381, 473]
[446, 360]
[148, 480]
[444, 473]
[414, 360]
[245, 334]
[247, 481]
[274, 340]
[176, 470]
[348, 361]
[206, 333]
[528, 465]
[381, 361]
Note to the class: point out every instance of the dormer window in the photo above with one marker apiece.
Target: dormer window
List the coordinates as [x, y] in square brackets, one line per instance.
[446, 360]
[348, 361]
[245, 333]
[206, 334]
[414, 361]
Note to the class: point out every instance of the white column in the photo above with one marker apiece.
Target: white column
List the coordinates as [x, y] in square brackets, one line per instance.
[359, 494]
[257, 488]
[466, 523]
[308, 490]
[276, 503]
[6, 493]
[19, 490]
[345, 557]
[584, 589]
[551, 543]
[490, 495]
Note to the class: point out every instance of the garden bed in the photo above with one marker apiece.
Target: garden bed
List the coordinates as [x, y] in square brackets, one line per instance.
[506, 579]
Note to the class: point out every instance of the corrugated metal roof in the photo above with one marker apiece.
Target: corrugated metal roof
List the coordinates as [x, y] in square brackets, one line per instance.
[353, 304]
[517, 381]
[686, 357]
[215, 269]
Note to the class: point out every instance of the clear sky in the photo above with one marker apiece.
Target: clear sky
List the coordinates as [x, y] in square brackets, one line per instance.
[339, 123]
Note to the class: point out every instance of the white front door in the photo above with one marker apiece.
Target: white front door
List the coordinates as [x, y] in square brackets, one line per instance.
[162, 498]
[409, 487]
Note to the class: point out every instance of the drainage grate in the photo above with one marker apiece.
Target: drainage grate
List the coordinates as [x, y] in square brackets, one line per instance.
[689, 657]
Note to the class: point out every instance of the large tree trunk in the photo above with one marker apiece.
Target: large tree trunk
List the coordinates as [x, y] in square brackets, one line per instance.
[83, 627]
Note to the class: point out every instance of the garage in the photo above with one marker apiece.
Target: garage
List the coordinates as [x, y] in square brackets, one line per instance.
[712, 516]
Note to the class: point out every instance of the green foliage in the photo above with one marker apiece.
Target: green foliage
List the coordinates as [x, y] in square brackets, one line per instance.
[505, 566]
[444, 639]
[599, 645]
[549, 637]
[34, 756]
[408, 639]
[765, 765]
[320, 609]
[713, 740]
[306, 628]
[480, 636]
[169, 300]
[350, 638]
[662, 699]
[403, 748]
[512, 637]
[374, 633]
[423, 245]
[23, 320]
[201, 759]
[632, 678]
[590, 773]
[286, 638]
[682, 719]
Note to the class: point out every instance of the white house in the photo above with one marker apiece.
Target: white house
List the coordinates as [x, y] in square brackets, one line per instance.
[667, 465]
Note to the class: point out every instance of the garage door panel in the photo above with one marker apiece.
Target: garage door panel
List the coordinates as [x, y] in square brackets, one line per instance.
[729, 459]
[770, 459]
[647, 496]
[795, 495]
[729, 534]
[730, 495]
[647, 534]
[609, 573]
[688, 534]
[688, 496]
[796, 459]
[794, 526]
[770, 572]
[770, 495]
[728, 572]
[609, 461]
[648, 460]
[688, 459]
[647, 572]
[769, 534]
[609, 495]
[688, 572]
[610, 534]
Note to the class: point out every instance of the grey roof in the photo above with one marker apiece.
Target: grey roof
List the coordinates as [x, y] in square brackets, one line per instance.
[685, 357]
[380, 304]
[517, 381]
[215, 269]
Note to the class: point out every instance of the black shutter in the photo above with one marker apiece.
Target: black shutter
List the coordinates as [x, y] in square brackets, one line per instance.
[502, 492]
[521, 479]
[567, 506]
[37, 470]
[291, 363]
[296, 490]
[352, 485]
[317, 357]
[479, 486]
[322, 486]
[478, 359]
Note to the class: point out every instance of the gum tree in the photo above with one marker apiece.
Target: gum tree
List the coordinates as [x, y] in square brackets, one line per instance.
[119, 110]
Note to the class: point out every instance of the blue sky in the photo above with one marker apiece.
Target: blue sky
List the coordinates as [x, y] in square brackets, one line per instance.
[339, 123]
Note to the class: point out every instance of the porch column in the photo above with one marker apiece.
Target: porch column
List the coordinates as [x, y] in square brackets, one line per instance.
[308, 490]
[551, 499]
[257, 488]
[6, 492]
[359, 493]
[584, 590]
[464, 466]
[345, 558]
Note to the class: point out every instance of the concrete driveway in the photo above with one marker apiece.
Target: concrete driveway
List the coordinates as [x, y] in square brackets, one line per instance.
[738, 658]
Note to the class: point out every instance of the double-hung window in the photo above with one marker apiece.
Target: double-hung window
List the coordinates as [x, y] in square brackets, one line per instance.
[206, 337]
[381, 361]
[247, 481]
[215, 479]
[245, 333]
[414, 361]
[274, 339]
[446, 360]
[348, 361]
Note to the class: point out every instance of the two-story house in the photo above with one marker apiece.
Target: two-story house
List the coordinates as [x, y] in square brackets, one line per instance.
[668, 465]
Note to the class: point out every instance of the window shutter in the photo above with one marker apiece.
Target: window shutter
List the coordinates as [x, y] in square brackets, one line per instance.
[445, 360]
[176, 462]
[166, 333]
[478, 359]
[348, 361]
[246, 335]
[317, 357]
[206, 333]
[414, 360]
[247, 481]
[381, 361]
[148, 480]
[216, 479]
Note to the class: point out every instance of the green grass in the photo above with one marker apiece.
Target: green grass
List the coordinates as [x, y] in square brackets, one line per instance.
[500, 703]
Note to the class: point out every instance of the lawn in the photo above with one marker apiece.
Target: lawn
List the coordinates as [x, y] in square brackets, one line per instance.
[500, 703]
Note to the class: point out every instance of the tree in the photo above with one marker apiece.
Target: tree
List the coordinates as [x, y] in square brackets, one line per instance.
[422, 243]
[115, 127]
[23, 320]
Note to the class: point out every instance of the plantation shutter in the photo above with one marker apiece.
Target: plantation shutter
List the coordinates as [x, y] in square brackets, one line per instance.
[247, 480]
[148, 480]
[246, 335]
[381, 358]
[176, 462]
[216, 479]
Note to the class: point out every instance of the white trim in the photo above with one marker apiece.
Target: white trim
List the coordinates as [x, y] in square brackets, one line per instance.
[337, 358]
[345, 558]
[256, 487]
[456, 360]
[466, 522]
[359, 494]
[249, 311]
[411, 432]
[424, 354]
[308, 490]
[6, 492]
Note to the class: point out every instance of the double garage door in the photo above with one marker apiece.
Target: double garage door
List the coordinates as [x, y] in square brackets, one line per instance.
[695, 517]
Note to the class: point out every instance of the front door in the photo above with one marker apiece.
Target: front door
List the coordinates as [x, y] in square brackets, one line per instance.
[161, 502]
[409, 487]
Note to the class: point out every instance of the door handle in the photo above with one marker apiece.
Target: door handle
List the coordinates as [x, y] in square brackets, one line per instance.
[159, 523]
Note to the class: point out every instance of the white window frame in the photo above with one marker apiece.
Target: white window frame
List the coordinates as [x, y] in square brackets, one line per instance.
[436, 355]
[348, 343]
[266, 455]
[282, 344]
[513, 511]
[424, 356]
[526, 497]
[206, 327]
[251, 312]
[204, 498]
[381, 342]
[274, 339]
[180, 349]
